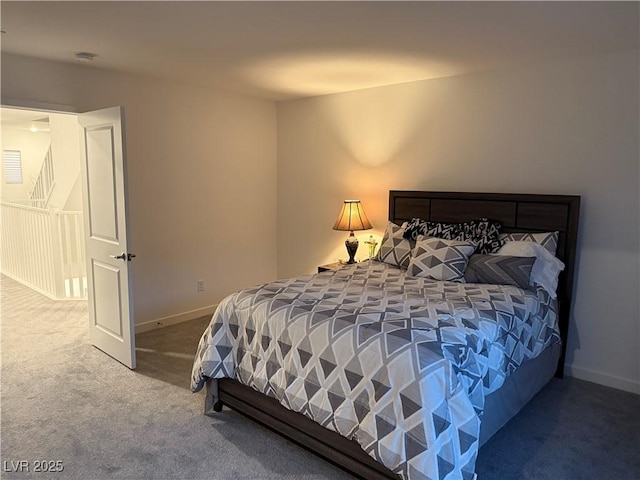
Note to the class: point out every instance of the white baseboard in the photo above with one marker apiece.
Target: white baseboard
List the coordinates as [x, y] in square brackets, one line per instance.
[174, 319]
[601, 378]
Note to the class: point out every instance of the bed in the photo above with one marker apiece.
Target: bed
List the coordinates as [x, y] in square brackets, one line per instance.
[460, 400]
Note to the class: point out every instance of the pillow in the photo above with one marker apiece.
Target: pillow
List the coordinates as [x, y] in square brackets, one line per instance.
[394, 248]
[500, 270]
[440, 259]
[548, 240]
[546, 268]
[483, 232]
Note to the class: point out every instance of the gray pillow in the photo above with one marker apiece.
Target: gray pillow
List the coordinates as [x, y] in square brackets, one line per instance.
[499, 270]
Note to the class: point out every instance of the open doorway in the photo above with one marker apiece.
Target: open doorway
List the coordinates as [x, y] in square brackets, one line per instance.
[88, 259]
[41, 199]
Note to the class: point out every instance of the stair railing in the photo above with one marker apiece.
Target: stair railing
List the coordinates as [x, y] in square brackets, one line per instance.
[43, 186]
[44, 249]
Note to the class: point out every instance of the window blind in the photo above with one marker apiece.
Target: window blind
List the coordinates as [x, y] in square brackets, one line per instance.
[12, 166]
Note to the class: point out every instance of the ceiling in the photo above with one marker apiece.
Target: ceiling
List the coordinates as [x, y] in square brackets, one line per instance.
[18, 119]
[285, 50]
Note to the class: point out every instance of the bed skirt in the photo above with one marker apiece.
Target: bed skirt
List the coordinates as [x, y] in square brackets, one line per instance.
[518, 389]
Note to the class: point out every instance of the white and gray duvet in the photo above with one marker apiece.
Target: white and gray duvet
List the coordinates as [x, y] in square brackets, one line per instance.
[400, 364]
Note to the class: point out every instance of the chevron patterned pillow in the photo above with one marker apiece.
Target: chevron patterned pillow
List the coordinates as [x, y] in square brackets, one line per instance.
[440, 259]
[500, 270]
[548, 240]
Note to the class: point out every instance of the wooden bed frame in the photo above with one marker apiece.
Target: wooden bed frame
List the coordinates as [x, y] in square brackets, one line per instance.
[516, 212]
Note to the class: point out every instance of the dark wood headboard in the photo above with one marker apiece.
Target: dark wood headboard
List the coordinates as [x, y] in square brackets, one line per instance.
[517, 213]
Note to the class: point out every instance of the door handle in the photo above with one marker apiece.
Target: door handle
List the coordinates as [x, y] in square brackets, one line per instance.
[124, 256]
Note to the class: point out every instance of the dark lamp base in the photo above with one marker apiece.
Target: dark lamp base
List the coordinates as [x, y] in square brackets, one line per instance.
[352, 247]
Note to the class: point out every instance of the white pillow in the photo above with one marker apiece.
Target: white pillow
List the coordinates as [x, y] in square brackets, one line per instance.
[545, 269]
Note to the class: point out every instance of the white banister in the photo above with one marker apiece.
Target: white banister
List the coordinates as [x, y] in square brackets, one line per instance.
[43, 186]
[56, 249]
[44, 249]
[71, 243]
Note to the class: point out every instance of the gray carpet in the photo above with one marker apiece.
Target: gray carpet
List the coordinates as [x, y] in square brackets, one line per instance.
[63, 400]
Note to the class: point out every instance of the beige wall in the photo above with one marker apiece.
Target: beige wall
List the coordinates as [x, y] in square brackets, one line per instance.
[74, 201]
[65, 152]
[201, 173]
[564, 128]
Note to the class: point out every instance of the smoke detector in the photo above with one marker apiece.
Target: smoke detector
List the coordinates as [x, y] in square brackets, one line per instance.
[85, 56]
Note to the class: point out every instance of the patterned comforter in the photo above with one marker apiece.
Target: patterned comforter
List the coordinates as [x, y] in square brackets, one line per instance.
[400, 364]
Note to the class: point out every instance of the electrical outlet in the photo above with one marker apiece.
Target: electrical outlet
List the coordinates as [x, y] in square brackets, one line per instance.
[200, 285]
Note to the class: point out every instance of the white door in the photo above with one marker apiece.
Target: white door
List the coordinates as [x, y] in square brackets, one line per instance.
[108, 268]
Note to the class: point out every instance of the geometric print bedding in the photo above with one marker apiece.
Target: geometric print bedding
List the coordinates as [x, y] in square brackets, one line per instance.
[440, 259]
[399, 364]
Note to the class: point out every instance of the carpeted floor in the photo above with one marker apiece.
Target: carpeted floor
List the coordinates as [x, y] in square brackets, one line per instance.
[64, 401]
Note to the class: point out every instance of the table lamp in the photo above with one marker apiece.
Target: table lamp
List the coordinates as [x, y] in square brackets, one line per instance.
[350, 218]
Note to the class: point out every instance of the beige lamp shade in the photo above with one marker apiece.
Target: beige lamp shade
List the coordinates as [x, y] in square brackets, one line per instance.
[352, 217]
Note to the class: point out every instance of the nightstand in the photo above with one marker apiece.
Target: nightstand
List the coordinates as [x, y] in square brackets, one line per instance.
[331, 266]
